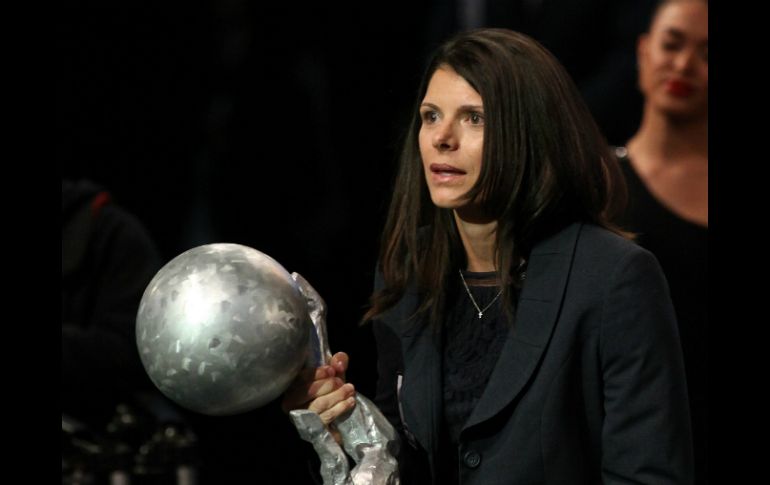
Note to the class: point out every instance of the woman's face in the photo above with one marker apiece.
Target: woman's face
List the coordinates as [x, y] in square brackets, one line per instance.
[673, 60]
[451, 138]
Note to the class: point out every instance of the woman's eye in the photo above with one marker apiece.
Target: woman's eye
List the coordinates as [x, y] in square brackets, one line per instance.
[429, 116]
[670, 46]
[476, 118]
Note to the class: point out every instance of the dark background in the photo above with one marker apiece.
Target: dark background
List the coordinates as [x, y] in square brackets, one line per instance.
[278, 127]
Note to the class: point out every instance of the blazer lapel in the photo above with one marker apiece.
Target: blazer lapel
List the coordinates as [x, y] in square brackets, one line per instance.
[547, 273]
[420, 393]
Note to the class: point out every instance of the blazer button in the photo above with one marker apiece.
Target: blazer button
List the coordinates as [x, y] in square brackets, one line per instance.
[472, 459]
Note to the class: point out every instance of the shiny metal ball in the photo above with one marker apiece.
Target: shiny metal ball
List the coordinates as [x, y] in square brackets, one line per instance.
[223, 329]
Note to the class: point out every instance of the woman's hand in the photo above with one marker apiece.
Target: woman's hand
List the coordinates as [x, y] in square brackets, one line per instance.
[322, 390]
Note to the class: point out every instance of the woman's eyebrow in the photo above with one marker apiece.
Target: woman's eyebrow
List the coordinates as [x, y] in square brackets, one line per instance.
[471, 107]
[464, 107]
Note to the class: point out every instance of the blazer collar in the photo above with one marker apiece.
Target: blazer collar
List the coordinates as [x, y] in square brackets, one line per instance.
[420, 397]
[420, 393]
[548, 269]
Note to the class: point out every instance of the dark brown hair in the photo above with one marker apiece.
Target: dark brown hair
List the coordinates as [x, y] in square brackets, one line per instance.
[544, 164]
[662, 3]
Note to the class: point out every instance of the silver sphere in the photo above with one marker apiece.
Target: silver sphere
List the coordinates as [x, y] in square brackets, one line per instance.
[223, 329]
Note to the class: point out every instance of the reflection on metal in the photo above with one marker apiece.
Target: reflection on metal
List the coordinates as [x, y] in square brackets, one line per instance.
[334, 463]
[367, 436]
[222, 329]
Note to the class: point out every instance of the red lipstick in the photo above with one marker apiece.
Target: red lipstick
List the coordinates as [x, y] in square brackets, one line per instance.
[680, 89]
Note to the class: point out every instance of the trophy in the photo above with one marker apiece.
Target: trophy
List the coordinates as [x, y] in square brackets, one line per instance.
[224, 329]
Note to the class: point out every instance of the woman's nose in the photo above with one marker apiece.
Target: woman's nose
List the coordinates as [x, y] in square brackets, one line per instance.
[445, 137]
[685, 60]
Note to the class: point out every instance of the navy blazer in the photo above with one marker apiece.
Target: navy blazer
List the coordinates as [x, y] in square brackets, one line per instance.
[589, 386]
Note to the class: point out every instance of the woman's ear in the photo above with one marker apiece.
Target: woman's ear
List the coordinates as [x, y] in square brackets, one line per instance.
[642, 46]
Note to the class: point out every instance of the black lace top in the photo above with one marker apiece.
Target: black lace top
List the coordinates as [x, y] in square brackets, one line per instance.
[471, 347]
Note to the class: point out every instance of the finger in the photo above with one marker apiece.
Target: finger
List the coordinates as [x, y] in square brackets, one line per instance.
[301, 392]
[339, 362]
[327, 401]
[310, 374]
[337, 410]
[307, 376]
[323, 387]
[333, 404]
[323, 372]
[299, 397]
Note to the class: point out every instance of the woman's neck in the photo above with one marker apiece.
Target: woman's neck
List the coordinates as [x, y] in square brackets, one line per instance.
[666, 141]
[671, 157]
[478, 239]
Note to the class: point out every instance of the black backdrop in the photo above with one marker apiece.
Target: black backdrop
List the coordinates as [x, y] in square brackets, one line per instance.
[270, 126]
[276, 126]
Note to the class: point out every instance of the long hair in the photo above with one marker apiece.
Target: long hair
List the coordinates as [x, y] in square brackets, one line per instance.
[544, 164]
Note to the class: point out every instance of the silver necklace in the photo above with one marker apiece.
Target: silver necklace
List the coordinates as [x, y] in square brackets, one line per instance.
[473, 300]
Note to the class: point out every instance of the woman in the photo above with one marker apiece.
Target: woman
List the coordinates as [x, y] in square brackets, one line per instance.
[521, 338]
[666, 168]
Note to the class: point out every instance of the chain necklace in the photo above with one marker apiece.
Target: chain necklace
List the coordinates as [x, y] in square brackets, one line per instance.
[473, 300]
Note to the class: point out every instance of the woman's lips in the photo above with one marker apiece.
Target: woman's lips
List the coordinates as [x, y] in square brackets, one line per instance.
[680, 89]
[441, 172]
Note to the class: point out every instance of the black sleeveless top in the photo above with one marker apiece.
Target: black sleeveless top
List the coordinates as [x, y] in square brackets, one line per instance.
[681, 247]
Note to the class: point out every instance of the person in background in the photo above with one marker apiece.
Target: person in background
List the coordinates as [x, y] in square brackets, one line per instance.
[667, 171]
[108, 259]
